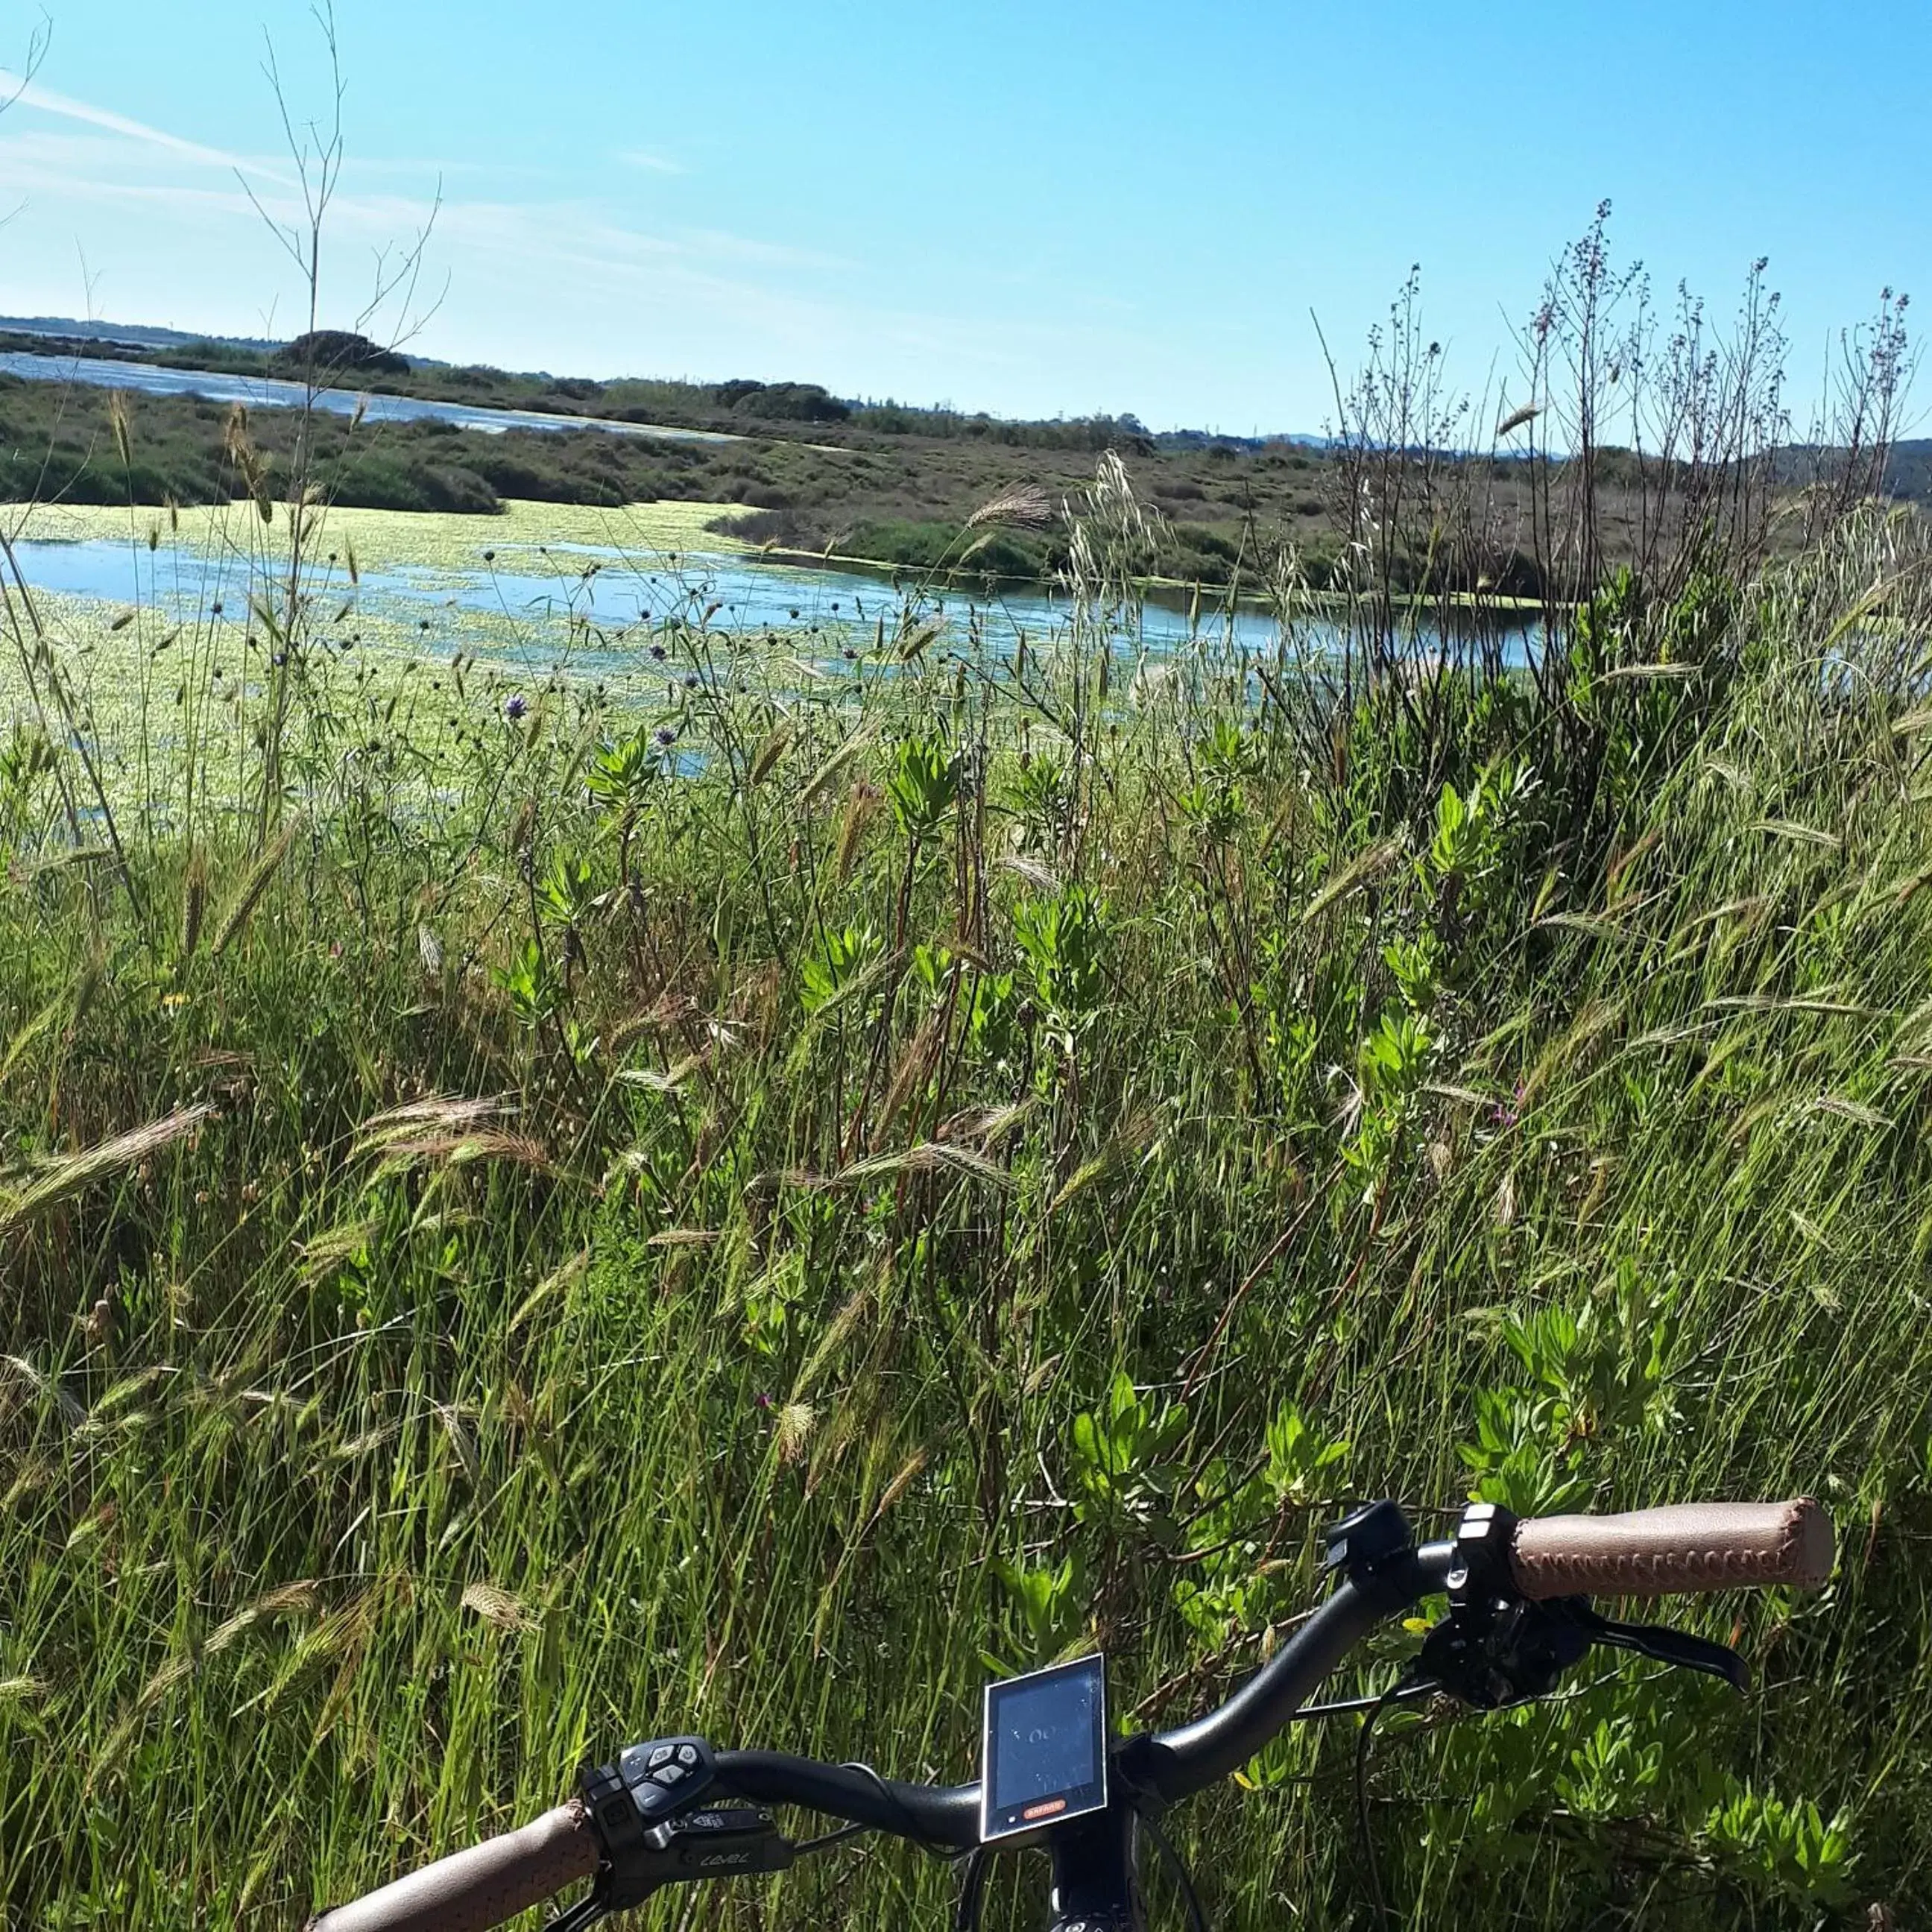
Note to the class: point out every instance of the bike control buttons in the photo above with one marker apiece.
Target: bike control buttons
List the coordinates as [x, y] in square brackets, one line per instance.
[665, 1776]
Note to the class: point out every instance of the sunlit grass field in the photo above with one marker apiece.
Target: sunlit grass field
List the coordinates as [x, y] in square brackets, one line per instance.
[742, 1202]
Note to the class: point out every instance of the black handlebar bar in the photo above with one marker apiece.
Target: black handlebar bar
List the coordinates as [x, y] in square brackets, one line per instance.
[1166, 1765]
[1174, 1765]
[943, 1817]
[1519, 1617]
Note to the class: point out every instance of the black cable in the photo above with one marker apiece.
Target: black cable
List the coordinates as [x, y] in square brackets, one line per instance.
[1403, 1693]
[972, 1886]
[1196, 1916]
[914, 1832]
[827, 1840]
[1369, 1723]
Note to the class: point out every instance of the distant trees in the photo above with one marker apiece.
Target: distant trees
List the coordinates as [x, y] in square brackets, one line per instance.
[1089, 435]
[781, 402]
[340, 352]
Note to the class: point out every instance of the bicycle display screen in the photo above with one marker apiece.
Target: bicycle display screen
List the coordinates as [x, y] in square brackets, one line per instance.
[1046, 1755]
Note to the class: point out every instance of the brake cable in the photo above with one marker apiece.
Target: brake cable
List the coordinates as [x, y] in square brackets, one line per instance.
[1404, 1690]
[1196, 1916]
[1377, 1706]
[915, 1834]
[972, 1886]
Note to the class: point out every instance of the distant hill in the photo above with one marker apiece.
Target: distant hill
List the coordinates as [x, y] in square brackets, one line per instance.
[135, 335]
[1910, 474]
[1908, 477]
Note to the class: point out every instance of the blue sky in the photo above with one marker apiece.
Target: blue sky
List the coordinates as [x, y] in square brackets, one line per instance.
[1048, 208]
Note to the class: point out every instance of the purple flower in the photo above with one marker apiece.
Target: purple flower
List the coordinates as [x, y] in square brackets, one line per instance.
[515, 706]
[666, 736]
[657, 652]
[690, 684]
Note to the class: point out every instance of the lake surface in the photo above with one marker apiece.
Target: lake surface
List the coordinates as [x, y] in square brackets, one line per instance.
[813, 611]
[273, 392]
[541, 598]
[542, 586]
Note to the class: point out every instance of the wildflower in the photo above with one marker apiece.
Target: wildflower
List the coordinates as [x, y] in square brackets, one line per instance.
[279, 658]
[489, 556]
[515, 706]
[690, 683]
[666, 736]
[657, 652]
[215, 609]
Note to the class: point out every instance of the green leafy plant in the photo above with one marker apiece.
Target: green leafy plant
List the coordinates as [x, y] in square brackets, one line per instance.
[1789, 1847]
[922, 785]
[1039, 796]
[843, 958]
[1119, 1461]
[536, 994]
[1063, 941]
[1050, 1598]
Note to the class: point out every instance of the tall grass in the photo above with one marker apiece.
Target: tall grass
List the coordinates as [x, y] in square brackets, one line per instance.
[732, 1215]
[535, 1212]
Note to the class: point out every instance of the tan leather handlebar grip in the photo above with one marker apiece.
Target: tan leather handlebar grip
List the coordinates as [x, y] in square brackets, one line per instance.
[473, 1890]
[1685, 1548]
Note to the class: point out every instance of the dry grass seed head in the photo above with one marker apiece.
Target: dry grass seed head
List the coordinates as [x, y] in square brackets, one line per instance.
[497, 1607]
[1025, 506]
[261, 875]
[68, 1175]
[862, 804]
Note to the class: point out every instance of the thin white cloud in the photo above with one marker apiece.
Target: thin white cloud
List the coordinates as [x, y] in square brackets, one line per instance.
[172, 241]
[656, 164]
[30, 94]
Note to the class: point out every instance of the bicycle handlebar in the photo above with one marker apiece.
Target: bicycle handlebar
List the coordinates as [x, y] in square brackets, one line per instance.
[1684, 1549]
[472, 1890]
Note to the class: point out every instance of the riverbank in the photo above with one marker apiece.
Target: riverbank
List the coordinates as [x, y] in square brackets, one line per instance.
[901, 498]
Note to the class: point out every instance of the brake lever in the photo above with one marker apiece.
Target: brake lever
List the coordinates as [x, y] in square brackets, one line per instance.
[1677, 1648]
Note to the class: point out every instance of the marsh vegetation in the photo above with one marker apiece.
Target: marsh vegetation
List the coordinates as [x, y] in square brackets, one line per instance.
[539, 1206]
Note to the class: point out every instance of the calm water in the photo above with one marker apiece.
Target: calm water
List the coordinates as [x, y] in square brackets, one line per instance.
[811, 611]
[271, 392]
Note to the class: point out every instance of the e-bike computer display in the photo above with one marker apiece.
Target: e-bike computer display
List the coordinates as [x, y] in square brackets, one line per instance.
[1046, 1754]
